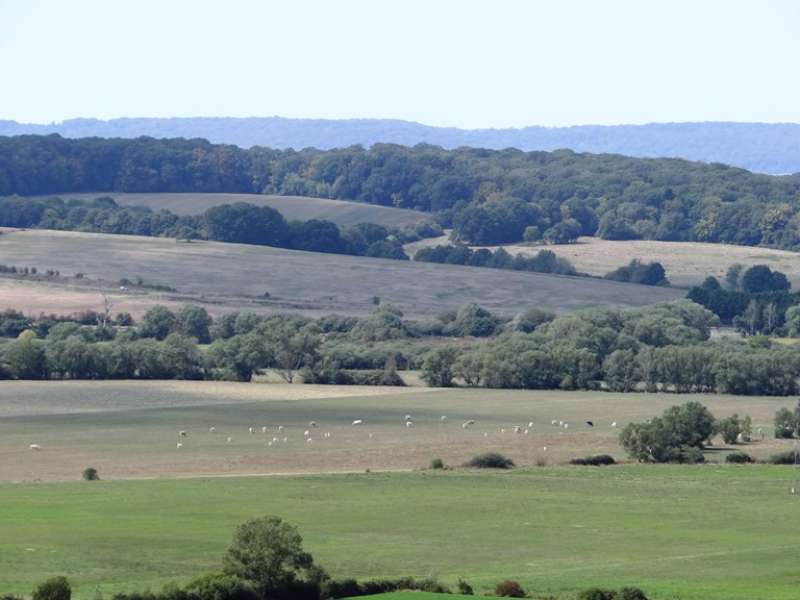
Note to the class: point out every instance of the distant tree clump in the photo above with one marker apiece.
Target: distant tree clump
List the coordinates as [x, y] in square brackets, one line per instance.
[638, 272]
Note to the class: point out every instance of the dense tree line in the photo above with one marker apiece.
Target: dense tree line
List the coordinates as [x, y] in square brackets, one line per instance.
[544, 261]
[240, 223]
[488, 196]
[664, 347]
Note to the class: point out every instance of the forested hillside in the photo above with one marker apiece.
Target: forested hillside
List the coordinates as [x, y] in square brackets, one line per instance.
[487, 196]
[762, 147]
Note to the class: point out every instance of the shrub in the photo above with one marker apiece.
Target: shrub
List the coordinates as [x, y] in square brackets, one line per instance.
[215, 586]
[464, 588]
[490, 460]
[55, 588]
[437, 463]
[509, 589]
[738, 458]
[785, 423]
[689, 456]
[598, 460]
[631, 593]
[597, 594]
[91, 474]
[782, 458]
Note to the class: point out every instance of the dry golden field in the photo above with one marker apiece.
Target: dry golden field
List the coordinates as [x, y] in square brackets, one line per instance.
[686, 263]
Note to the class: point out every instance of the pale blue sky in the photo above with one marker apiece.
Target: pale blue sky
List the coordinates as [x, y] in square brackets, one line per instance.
[468, 64]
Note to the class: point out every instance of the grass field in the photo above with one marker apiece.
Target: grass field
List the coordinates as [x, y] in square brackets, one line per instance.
[130, 429]
[234, 276]
[695, 533]
[294, 208]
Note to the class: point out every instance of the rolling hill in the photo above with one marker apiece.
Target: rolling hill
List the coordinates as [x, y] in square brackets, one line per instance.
[762, 147]
[293, 208]
[236, 277]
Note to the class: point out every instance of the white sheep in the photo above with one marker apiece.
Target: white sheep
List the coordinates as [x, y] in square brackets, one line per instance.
[306, 433]
[358, 422]
[566, 425]
[312, 424]
[409, 423]
[230, 439]
[517, 428]
[212, 429]
[35, 447]
[327, 434]
[443, 418]
[530, 424]
[264, 430]
[614, 424]
[545, 448]
[466, 424]
[179, 445]
[309, 440]
[182, 433]
[408, 417]
[280, 427]
[525, 432]
[553, 422]
[285, 440]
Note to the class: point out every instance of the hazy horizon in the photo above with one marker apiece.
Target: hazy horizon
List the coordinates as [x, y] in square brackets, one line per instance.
[447, 64]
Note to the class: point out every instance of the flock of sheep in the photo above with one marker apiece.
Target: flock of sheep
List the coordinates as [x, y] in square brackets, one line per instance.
[408, 422]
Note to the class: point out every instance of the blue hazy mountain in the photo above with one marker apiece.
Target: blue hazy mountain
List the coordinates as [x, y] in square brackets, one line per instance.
[761, 147]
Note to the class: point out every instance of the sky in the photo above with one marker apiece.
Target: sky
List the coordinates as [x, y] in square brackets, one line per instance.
[463, 63]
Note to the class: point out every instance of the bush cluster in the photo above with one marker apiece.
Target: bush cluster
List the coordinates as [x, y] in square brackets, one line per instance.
[597, 460]
[490, 460]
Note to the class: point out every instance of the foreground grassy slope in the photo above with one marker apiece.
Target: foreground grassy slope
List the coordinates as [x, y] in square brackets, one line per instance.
[130, 429]
[226, 276]
[294, 208]
[694, 533]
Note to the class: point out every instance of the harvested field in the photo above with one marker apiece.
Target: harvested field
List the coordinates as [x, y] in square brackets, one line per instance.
[236, 277]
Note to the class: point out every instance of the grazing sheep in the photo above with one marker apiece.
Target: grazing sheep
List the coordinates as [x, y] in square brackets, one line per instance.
[517, 428]
[443, 418]
[502, 430]
[408, 417]
[553, 422]
[182, 433]
[530, 424]
[358, 422]
[35, 447]
[285, 440]
[230, 439]
[561, 423]
[306, 433]
[409, 424]
[309, 440]
[179, 445]
[280, 427]
[466, 424]
[251, 430]
[566, 425]
[212, 429]
[614, 424]
[545, 448]
[263, 430]
[327, 434]
[525, 432]
[275, 440]
[312, 424]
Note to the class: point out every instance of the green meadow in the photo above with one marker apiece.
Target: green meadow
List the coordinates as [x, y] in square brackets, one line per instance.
[702, 532]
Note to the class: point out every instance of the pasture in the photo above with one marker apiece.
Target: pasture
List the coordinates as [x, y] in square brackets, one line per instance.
[226, 277]
[293, 208]
[694, 533]
[129, 429]
[686, 263]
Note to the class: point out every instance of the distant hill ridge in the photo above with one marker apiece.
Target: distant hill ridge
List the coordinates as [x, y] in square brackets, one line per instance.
[759, 147]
